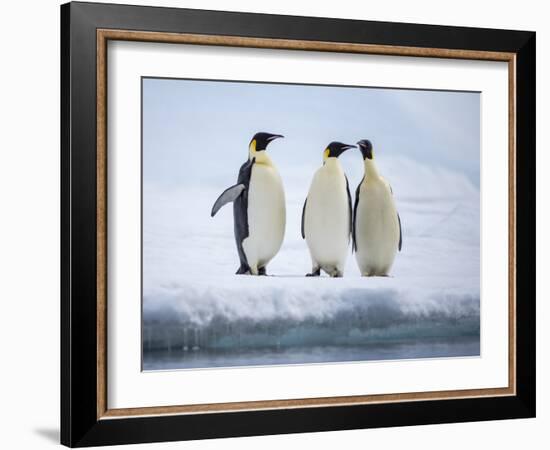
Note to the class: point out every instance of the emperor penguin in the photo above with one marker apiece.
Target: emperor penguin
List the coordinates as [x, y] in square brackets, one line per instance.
[327, 214]
[259, 213]
[376, 223]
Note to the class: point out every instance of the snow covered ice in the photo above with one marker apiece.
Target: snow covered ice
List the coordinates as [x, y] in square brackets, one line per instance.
[198, 313]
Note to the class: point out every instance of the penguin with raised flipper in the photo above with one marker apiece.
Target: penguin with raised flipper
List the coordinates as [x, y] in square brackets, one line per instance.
[327, 214]
[259, 212]
[377, 234]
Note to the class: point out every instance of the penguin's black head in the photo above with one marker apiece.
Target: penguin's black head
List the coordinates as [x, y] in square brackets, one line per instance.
[366, 148]
[335, 149]
[261, 140]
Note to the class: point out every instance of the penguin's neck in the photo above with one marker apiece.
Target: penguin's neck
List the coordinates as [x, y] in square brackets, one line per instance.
[371, 172]
[261, 157]
[332, 164]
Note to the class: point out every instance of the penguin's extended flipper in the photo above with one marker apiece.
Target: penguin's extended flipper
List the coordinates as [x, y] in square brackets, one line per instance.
[400, 233]
[349, 208]
[228, 196]
[304, 219]
[353, 232]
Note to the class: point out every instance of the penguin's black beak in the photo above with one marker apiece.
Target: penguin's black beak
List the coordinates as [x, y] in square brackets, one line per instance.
[341, 149]
[272, 137]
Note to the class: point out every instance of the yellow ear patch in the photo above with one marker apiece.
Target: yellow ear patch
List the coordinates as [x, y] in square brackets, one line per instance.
[252, 147]
[326, 154]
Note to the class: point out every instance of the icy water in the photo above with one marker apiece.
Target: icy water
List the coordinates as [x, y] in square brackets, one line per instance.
[425, 348]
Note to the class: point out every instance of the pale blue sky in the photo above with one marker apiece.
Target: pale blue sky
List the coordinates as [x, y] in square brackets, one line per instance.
[196, 131]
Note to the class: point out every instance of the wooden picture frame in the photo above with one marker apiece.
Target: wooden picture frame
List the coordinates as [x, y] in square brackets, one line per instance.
[85, 417]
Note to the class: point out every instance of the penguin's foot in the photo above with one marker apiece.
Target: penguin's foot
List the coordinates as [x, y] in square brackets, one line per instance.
[337, 274]
[243, 270]
[315, 272]
[262, 271]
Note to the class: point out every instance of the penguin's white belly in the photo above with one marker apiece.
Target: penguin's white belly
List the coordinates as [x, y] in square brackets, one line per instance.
[327, 220]
[377, 229]
[266, 216]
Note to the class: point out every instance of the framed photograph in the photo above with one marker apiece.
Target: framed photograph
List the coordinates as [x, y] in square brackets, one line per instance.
[277, 224]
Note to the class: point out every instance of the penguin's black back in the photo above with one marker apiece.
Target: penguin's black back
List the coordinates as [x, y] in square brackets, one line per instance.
[240, 213]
